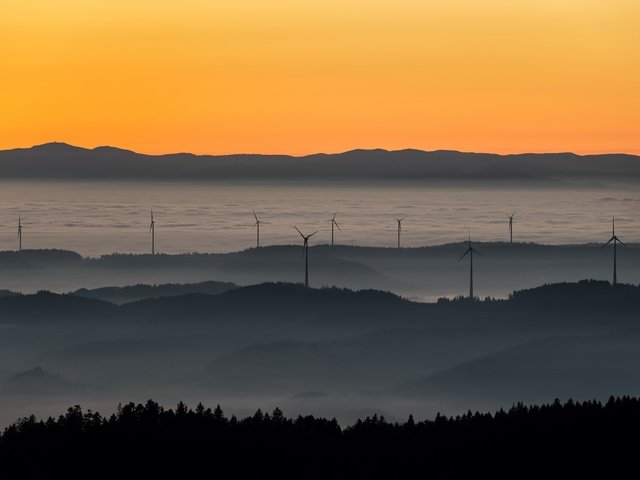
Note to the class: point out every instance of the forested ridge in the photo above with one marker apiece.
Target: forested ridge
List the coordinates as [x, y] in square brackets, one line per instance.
[554, 440]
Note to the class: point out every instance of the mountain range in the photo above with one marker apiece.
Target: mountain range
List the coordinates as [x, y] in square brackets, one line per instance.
[60, 160]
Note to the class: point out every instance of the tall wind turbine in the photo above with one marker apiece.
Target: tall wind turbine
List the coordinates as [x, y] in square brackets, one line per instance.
[615, 241]
[257, 225]
[470, 251]
[399, 220]
[19, 234]
[152, 230]
[334, 223]
[510, 217]
[305, 247]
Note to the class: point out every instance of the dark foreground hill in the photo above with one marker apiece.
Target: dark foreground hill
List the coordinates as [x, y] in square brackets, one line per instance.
[570, 440]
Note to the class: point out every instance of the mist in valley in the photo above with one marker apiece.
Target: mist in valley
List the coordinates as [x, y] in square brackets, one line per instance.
[381, 330]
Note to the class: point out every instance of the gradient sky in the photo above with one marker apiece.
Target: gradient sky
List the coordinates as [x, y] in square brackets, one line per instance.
[301, 76]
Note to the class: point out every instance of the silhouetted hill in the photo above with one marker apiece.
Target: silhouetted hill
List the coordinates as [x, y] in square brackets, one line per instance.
[286, 302]
[39, 258]
[273, 301]
[569, 304]
[554, 440]
[58, 160]
[131, 293]
[46, 306]
[421, 273]
[585, 294]
[286, 257]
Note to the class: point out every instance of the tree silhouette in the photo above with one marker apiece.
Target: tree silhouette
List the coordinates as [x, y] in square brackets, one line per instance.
[573, 439]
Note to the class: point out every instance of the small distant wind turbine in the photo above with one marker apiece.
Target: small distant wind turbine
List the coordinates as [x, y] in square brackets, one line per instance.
[615, 241]
[19, 234]
[470, 251]
[152, 230]
[257, 225]
[399, 220]
[305, 247]
[334, 223]
[510, 217]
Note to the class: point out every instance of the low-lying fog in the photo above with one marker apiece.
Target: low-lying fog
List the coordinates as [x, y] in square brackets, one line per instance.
[329, 352]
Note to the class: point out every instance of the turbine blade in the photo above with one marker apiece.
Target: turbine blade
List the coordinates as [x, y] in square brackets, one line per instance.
[312, 234]
[299, 232]
[464, 254]
[620, 241]
[337, 226]
[254, 214]
[610, 240]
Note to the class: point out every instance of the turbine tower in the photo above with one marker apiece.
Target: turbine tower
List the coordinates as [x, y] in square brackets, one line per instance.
[615, 241]
[510, 217]
[19, 234]
[399, 220]
[152, 230]
[470, 251]
[305, 248]
[334, 223]
[257, 225]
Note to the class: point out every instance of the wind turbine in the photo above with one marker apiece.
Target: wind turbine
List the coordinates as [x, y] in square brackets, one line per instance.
[152, 230]
[257, 225]
[615, 241]
[510, 217]
[334, 223]
[399, 220]
[19, 234]
[305, 247]
[470, 251]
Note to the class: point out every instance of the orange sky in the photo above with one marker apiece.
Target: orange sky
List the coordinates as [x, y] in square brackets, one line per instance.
[301, 76]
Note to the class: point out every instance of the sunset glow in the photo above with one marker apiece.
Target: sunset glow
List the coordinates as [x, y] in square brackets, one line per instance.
[285, 76]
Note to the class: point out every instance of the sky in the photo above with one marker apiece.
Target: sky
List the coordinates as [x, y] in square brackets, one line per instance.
[305, 76]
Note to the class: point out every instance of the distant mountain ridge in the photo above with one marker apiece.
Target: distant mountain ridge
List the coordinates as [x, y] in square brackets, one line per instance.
[63, 161]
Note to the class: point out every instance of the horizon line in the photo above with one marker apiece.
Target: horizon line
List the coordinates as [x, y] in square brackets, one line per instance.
[588, 244]
[342, 152]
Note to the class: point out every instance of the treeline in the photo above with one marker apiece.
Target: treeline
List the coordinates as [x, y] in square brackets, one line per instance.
[556, 440]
